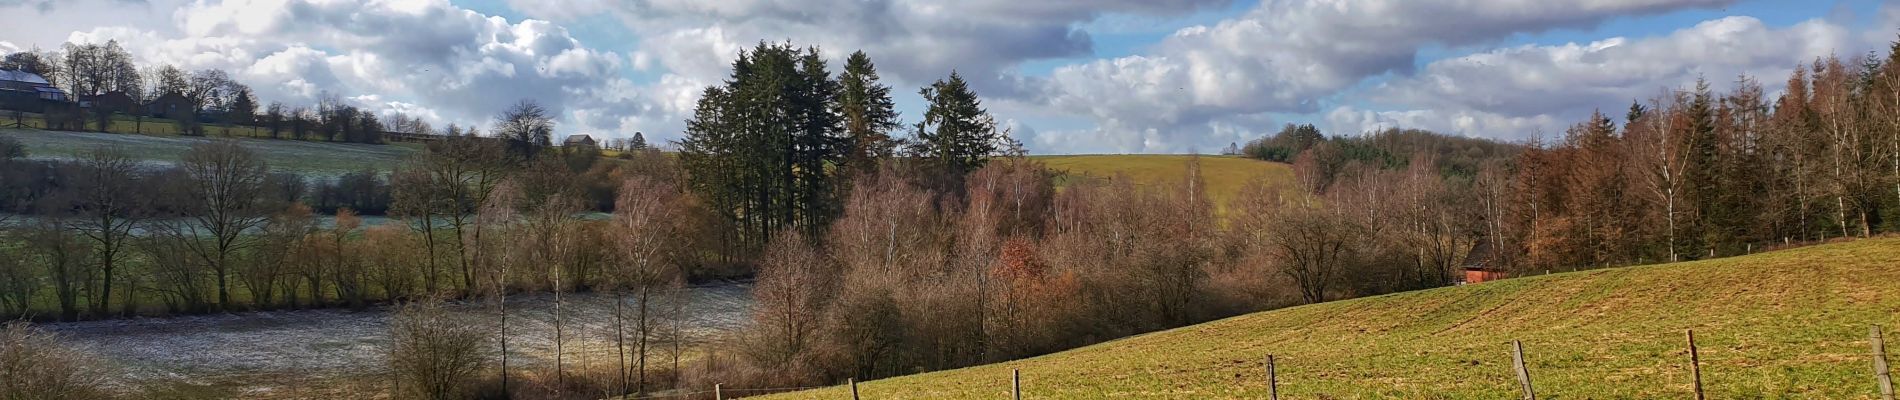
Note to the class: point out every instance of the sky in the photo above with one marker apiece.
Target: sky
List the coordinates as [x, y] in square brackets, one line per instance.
[1063, 76]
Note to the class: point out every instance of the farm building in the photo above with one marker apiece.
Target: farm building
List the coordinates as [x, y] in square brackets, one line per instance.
[579, 140]
[111, 102]
[1479, 267]
[26, 91]
[171, 105]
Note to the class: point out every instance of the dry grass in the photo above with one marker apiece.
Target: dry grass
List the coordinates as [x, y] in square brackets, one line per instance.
[1787, 324]
[1224, 175]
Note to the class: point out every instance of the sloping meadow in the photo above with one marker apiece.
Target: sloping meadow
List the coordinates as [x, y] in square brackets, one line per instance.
[1786, 324]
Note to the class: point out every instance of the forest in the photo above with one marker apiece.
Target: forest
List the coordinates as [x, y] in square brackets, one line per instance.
[880, 247]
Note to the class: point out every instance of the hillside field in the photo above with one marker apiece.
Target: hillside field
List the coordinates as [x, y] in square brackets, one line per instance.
[302, 157]
[1785, 324]
[1224, 175]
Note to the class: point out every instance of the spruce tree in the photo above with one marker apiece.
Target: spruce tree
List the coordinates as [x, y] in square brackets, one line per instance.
[957, 135]
[638, 143]
[1702, 170]
[868, 112]
[764, 147]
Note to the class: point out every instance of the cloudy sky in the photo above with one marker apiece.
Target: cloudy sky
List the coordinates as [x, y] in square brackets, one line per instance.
[1069, 76]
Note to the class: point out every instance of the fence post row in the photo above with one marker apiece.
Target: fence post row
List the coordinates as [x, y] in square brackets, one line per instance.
[1881, 374]
[1695, 365]
[1523, 373]
[1880, 364]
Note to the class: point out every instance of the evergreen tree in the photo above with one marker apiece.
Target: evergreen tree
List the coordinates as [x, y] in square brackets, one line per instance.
[1703, 169]
[638, 143]
[763, 148]
[869, 114]
[243, 107]
[1636, 113]
[957, 135]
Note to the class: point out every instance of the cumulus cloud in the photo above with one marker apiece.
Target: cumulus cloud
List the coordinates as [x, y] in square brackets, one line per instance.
[914, 41]
[427, 58]
[1351, 65]
[1290, 56]
[1517, 92]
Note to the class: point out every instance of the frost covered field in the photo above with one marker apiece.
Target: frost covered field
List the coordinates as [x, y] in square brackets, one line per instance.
[320, 159]
[259, 352]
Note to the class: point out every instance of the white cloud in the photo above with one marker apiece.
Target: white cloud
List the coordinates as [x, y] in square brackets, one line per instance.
[426, 57]
[1516, 92]
[1291, 56]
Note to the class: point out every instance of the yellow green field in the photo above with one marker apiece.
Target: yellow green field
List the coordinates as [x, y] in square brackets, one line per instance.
[1787, 324]
[1224, 175]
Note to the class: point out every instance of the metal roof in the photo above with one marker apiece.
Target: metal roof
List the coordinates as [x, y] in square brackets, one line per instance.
[22, 76]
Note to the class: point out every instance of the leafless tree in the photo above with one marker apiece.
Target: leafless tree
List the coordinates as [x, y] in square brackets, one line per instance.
[106, 197]
[644, 233]
[225, 181]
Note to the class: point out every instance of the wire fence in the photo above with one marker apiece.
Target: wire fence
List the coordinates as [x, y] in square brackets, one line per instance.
[380, 379]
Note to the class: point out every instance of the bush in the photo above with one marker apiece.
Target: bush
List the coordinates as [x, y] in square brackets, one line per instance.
[11, 148]
[35, 365]
[437, 353]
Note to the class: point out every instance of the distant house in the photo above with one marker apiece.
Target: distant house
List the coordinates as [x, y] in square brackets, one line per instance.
[111, 102]
[1479, 265]
[26, 91]
[171, 105]
[579, 140]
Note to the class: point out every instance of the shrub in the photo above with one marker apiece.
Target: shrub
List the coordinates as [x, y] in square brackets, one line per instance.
[34, 364]
[437, 354]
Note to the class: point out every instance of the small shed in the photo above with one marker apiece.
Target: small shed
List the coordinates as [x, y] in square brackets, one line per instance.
[1479, 267]
[579, 140]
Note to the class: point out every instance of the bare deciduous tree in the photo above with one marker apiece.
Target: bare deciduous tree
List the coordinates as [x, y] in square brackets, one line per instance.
[225, 182]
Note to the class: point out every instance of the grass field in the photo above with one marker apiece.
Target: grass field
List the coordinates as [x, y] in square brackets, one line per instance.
[302, 157]
[1224, 175]
[1787, 324]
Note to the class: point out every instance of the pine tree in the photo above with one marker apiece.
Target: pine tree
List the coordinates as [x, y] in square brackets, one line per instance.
[1636, 113]
[869, 114]
[763, 148]
[957, 135]
[638, 143]
[243, 107]
[1702, 168]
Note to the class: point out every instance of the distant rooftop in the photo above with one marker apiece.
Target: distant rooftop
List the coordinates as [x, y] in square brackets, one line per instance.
[22, 76]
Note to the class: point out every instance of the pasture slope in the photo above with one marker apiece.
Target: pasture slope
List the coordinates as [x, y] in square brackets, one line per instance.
[309, 158]
[1224, 175]
[1785, 324]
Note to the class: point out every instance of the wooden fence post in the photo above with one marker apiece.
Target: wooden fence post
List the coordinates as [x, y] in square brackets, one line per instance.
[1880, 365]
[718, 392]
[1523, 372]
[1273, 380]
[854, 387]
[1695, 365]
[1016, 384]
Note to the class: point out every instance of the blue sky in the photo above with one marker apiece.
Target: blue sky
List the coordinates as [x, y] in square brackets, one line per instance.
[1067, 76]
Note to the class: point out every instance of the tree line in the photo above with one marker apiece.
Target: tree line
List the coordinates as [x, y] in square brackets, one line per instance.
[1694, 174]
[100, 73]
